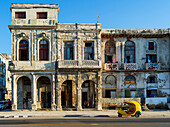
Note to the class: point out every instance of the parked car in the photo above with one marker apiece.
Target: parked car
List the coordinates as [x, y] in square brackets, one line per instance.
[3, 104]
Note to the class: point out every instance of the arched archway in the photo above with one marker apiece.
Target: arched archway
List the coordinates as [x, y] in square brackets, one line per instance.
[88, 94]
[44, 92]
[24, 93]
[68, 94]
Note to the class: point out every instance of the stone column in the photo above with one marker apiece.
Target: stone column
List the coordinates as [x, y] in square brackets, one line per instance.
[59, 107]
[79, 99]
[14, 104]
[99, 98]
[34, 94]
[53, 105]
[79, 93]
[99, 91]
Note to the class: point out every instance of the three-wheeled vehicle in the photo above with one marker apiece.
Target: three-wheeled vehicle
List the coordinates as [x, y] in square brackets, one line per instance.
[134, 109]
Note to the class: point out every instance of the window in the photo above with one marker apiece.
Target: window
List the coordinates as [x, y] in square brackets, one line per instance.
[151, 46]
[151, 79]
[89, 51]
[130, 79]
[110, 94]
[20, 15]
[130, 86]
[23, 50]
[41, 15]
[110, 52]
[151, 93]
[110, 87]
[68, 51]
[151, 58]
[43, 50]
[129, 52]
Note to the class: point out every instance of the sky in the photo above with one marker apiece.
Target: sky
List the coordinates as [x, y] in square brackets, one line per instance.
[112, 14]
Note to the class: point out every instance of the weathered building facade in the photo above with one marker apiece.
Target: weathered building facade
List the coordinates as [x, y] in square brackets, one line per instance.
[5, 83]
[61, 66]
[136, 64]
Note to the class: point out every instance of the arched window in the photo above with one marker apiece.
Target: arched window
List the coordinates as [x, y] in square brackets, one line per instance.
[23, 50]
[129, 52]
[130, 79]
[110, 52]
[151, 79]
[43, 50]
[110, 87]
[130, 86]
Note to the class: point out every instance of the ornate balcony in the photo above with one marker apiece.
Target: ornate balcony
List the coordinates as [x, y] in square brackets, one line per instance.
[111, 66]
[78, 64]
[130, 66]
[152, 66]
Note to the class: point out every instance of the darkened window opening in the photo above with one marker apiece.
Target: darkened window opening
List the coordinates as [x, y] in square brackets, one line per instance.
[110, 52]
[23, 50]
[110, 93]
[151, 93]
[151, 58]
[68, 51]
[129, 52]
[152, 79]
[89, 51]
[43, 50]
[151, 45]
[20, 15]
[41, 15]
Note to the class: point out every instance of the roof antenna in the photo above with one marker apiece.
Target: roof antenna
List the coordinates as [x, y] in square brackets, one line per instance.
[98, 18]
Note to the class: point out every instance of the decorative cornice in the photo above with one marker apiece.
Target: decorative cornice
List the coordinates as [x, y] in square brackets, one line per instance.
[31, 27]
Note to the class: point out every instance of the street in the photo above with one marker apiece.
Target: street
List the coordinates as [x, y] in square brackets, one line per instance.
[86, 122]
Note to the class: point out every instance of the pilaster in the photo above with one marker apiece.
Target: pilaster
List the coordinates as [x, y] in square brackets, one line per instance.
[53, 105]
[59, 107]
[79, 93]
[34, 93]
[14, 104]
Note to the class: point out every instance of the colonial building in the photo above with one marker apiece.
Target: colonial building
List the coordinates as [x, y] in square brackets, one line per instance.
[78, 66]
[136, 64]
[53, 63]
[5, 83]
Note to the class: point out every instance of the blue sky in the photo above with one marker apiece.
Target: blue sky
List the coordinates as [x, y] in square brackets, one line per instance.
[113, 14]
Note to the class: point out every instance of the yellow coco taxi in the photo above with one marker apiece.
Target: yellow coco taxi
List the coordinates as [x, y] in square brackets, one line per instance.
[134, 109]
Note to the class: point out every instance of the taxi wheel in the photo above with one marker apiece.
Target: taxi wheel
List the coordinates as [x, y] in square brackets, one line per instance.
[137, 115]
[119, 115]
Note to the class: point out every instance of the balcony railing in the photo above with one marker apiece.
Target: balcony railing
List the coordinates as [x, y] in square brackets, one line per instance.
[130, 66]
[67, 63]
[111, 66]
[152, 85]
[152, 66]
[78, 64]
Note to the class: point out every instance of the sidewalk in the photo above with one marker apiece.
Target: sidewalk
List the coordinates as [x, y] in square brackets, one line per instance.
[65, 114]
